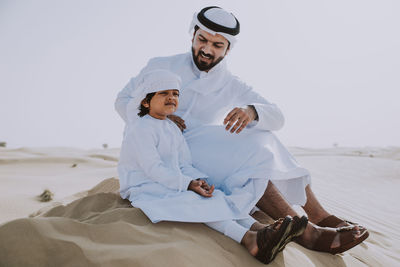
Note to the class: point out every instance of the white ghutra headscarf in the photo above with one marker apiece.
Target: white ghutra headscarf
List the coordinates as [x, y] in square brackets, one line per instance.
[216, 20]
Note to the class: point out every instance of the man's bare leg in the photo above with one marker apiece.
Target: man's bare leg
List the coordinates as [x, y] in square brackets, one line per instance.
[313, 208]
[275, 205]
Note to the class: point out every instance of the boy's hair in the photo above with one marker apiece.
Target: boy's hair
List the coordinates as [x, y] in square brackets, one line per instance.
[142, 109]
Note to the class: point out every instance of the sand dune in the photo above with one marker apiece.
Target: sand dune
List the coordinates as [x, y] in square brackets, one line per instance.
[95, 227]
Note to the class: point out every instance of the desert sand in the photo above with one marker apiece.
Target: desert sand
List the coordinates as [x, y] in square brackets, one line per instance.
[88, 224]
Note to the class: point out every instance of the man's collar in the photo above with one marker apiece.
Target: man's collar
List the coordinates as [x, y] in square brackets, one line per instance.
[201, 74]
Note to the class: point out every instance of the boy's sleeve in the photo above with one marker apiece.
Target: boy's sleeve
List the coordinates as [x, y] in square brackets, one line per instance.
[185, 162]
[141, 143]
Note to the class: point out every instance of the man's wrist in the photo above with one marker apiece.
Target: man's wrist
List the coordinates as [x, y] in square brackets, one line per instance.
[189, 184]
[251, 107]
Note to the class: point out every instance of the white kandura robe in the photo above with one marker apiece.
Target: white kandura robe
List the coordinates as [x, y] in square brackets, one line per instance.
[155, 170]
[238, 164]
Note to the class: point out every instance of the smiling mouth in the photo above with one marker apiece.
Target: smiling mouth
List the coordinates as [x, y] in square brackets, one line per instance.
[206, 56]
[170, 104]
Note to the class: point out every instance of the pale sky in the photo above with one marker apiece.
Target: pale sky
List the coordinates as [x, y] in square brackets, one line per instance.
[333, 67]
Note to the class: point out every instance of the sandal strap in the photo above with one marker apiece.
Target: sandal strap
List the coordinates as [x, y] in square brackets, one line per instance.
[324, 242]
[269, 239]
[333, 222]
[345, 228]
[330, 221]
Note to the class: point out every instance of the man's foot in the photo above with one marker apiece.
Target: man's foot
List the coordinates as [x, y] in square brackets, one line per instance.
[249, 241]
[334, 222]
[331, 240]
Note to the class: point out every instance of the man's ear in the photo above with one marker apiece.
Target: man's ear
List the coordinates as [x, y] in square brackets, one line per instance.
[194, 35]
[227, 50]
[144, 103]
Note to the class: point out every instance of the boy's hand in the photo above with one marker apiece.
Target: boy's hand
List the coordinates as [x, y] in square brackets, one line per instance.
[201, 187]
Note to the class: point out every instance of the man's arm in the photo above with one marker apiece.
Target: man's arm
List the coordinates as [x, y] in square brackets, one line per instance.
[270, 117]
[124, 97]
[252, 110]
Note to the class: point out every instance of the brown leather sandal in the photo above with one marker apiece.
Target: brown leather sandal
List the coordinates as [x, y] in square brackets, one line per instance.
[299, 226]
[270, 239]
[334, 222]
[346, 237]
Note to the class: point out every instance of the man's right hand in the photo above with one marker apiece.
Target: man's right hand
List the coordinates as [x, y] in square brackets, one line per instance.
[239, 118]
[178, 121]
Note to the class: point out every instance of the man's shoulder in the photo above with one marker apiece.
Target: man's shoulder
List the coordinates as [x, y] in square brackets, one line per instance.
[236, 83]
[166, 61]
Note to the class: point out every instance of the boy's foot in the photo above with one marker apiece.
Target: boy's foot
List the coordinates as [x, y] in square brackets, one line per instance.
[299, 226]
[271, 238]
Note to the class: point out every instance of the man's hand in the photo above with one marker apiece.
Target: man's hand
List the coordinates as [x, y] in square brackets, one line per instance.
[239, 118]
[201, 187]
[178, 121]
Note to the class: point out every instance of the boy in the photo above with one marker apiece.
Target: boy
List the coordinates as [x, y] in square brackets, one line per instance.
[157, 176]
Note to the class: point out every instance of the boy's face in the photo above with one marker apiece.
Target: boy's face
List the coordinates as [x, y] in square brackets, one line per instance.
[163, 103]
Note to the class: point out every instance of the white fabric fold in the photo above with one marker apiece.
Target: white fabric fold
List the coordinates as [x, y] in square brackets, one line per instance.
[155, 170]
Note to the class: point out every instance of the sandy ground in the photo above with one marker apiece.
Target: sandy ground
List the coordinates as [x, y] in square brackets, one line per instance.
[87, 224]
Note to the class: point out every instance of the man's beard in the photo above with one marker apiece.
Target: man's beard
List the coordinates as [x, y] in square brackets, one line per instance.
[202, 66]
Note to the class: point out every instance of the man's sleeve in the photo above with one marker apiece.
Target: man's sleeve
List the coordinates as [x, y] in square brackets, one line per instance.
[270, 116]
[124, 97]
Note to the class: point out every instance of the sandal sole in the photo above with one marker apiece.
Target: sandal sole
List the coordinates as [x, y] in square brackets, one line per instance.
[350, 245]
[302, 224]
[287, 225]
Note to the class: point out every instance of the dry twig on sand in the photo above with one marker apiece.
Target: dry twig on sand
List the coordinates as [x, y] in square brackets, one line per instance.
[46, 196]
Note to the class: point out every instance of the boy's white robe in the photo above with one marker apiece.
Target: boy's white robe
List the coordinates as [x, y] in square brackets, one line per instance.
[239, 164]
[155, 170]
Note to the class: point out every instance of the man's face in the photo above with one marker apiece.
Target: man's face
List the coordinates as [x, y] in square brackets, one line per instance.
[208, 50]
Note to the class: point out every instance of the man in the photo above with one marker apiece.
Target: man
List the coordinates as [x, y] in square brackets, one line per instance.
[245, 160]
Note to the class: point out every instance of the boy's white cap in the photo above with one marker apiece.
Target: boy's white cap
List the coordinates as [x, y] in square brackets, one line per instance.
[153, 81]
[215, 20]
